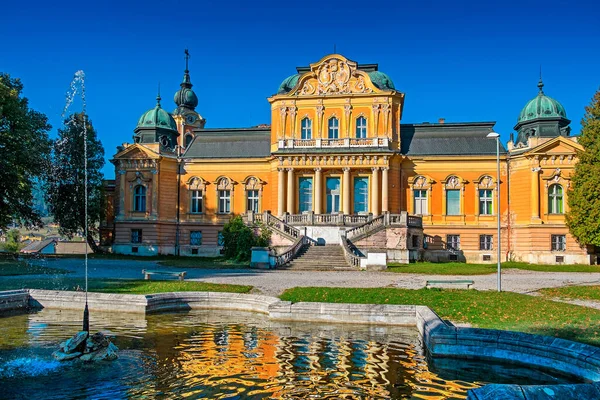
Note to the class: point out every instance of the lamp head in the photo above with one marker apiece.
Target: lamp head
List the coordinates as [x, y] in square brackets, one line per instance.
[493, 135]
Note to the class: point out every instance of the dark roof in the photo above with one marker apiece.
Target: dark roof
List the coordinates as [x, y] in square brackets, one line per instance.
[230, 143]
[448, 139]
[36, 246]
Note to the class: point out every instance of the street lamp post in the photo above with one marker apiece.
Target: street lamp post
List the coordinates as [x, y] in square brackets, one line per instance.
[494, 135]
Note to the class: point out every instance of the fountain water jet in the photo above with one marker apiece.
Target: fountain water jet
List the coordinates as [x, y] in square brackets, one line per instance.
[82, 345]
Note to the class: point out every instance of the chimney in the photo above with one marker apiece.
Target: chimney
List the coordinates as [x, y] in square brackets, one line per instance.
[441, 120]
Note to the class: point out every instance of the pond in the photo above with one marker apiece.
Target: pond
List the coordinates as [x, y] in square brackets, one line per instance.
[235, 355]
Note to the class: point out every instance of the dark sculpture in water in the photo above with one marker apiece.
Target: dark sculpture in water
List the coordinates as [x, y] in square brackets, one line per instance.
[96, 347]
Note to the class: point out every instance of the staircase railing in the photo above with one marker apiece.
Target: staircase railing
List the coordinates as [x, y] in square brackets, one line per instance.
[351, 253]
[366, 229]
[274, 223]
[292, 251]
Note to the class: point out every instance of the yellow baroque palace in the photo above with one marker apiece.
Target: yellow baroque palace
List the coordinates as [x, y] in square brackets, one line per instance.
[336, 166]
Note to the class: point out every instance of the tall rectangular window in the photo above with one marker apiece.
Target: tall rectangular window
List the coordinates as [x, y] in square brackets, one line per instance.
[196, 238]
[139, 198]
[361, 127]
[485, 242]
[305, 195]
[559, 242]
[136, 236]
[334, 128]
[420, 202]
[332, 188]
[252, 200]
[453, 242]
[361, 194]
[224, 201]
[555, 199]
[306, 129]
[196, 205]
[485, 202]
[453, 202]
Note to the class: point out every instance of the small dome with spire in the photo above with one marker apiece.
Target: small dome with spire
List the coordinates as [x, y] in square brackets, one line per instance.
[185, 98]
[541, 106]
[157, 118]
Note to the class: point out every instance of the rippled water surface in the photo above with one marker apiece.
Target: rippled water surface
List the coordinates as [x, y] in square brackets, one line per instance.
[232, 355]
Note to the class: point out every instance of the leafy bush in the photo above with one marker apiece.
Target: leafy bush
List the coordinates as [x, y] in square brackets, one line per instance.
[238, 239]
[12, 241]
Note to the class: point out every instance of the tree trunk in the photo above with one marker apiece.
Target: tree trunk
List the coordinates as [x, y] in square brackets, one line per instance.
[92, 243]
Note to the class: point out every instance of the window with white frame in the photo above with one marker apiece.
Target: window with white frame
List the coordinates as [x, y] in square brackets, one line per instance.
[555, 199]
[559, 242]
[485, 242]
[195, 238]
[420, 202]
[139, 198]
[196, 205]
[361, 127]
[334, 128]
[224, 201]
[485, 202]
[252, 200]
[453, 242]
[306, 128]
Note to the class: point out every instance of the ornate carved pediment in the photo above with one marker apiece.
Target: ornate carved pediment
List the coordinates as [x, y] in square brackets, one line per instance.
[333, 75]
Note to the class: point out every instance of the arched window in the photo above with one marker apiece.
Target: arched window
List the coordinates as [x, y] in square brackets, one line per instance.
[453, 186]
[555, 199]
[188, 140]
[361, 127]
[421, 186]
[486, 194]
[224, 195]
[334, 128]
[306, 128]
[139, 198]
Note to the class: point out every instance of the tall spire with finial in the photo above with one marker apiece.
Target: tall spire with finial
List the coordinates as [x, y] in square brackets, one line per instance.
[158, 98]
[540, 84]
[186, 74]
[185, 98]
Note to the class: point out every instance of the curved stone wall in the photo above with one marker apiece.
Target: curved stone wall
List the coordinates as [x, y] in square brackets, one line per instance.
[440, 338]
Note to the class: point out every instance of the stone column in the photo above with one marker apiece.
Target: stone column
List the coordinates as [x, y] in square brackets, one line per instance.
[375, 191]
[318, 191]
[154, 214]
[535, 193]
[384, 190]
[290, 191]
[280, 191]
[346, 191]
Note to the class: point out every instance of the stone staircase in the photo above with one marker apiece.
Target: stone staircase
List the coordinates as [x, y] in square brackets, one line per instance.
[320, 258]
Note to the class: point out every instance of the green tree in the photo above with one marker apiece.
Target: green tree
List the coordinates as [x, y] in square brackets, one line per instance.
[238, 239]
[13, 240]
[65, 193]
[583, 218]
[24, 149]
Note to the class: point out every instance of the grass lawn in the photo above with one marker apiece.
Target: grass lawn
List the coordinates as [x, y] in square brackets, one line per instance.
[128, 286]
[456, 268]
[492, 310]
[573, 292]
[14, 267]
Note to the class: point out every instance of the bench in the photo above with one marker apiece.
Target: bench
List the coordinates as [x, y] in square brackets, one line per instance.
[147, 274]
[456, 282]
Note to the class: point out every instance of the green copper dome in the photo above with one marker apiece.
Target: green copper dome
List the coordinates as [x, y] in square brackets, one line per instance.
[288, 84]
[157, 118]
[541, 106]
[381, 80]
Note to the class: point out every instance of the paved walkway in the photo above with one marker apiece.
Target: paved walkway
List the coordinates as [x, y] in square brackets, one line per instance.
[274, 282]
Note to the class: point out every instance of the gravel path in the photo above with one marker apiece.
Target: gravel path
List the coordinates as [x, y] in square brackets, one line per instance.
[274, 282]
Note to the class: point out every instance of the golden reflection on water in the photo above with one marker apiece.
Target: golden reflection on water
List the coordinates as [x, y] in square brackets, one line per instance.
[222, 355]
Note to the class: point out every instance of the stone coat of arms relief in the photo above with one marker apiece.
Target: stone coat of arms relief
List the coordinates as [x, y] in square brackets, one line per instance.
[334, 76]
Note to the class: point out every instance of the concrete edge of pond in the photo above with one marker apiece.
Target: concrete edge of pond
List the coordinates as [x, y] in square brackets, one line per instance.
[441, 339]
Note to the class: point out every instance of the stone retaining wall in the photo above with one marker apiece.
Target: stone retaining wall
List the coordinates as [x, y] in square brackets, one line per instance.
[14, 300]
[439, 338]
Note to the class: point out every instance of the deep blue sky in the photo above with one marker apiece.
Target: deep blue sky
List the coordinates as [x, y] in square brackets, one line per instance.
[464, 61]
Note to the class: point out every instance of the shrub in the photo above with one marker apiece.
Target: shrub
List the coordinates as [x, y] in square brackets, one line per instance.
[238, 239]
